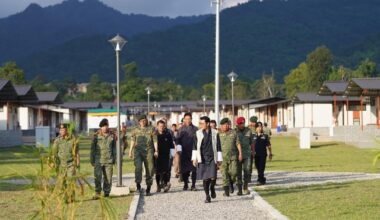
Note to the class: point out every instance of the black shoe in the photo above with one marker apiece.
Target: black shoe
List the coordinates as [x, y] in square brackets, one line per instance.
[193, 188]
[147, 192]
[246, 190]
[213, 194]
[232, 190]
[106, 195]
[138, 187]
[185, 187]
[208, 199]
[240, 192]
[226, 191]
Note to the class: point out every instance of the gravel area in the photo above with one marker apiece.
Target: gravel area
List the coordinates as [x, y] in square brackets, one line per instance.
[179, 204]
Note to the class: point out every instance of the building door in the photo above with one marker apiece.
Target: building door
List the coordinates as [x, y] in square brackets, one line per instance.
[356, 117]
[273, 116]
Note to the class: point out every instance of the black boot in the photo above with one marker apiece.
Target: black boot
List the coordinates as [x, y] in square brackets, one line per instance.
[232, 190]
[226, 191]
[240, 192]
[138, 187]
[206, 187]
[246, 190]
[147, 193]
[212, 188]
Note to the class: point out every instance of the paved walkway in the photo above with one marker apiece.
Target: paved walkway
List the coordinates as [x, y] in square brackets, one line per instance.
[179, 204]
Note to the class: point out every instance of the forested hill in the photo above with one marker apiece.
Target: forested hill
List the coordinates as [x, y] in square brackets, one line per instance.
[256, 37]
[37, 29]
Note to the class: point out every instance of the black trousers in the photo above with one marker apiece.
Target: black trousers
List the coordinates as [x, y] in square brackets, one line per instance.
[162, 178]
[260, 162]
[186, 175]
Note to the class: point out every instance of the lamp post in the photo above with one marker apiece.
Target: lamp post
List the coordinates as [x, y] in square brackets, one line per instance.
[204, 97]
[232, 77]
[118, 43]
[217, 56]
[148, 91]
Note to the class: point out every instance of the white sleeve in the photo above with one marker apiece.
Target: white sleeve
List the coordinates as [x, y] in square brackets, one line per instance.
[194, 155]
[220, 156]
[179, 148]
[172, 152]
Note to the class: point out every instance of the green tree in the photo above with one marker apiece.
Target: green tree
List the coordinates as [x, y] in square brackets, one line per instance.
[98, 90]
[12, 72]
[367, 68]
[296, 80]
[319, 65]
[340, 73]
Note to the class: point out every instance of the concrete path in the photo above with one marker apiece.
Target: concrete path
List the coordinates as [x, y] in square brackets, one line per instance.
[179, 204]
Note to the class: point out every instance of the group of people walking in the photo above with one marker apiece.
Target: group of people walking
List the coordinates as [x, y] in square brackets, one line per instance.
[198, 152]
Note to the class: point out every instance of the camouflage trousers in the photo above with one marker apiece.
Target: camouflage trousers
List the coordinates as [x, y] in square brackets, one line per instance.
[244, 167]
[103, 172]
[148, 162]
[68, 183]
[229, 171]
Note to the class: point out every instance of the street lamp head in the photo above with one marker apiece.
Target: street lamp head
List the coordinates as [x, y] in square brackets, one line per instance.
[232, 75]
[118, 42]
[148, 90]
[204, 97]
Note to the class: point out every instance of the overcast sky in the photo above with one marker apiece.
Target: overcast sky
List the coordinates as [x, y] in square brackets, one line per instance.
[170, 8]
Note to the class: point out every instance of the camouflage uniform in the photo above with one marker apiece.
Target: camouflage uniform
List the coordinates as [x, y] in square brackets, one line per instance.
[229, 142]
[245, 138]
[268, 132]
[253, 130]
[143, 151]
[65, 150]
[103, 156]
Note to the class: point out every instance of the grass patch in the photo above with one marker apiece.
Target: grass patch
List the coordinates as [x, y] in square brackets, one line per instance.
[354, 200]
[19, 202]
[331, 157]
[19, 161]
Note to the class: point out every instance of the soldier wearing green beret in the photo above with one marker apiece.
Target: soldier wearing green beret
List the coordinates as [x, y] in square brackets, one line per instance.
[232, 155]
[252, 125]
[246, 140]
[103, 156]
[66, 155]
[143, 148]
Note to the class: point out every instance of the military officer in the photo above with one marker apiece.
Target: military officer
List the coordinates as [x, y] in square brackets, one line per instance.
[66, 152]
[143, 148]
[261, 149]
[252, 126]
[267, 130]
[103, 156]
[246, 141]
[232, 155]
[66, 157]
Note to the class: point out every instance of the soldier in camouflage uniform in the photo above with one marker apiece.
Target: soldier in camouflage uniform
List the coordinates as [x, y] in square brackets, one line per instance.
[66, 157]
[267, 130]
[143, 148]
[246, 141]
[252, 126]
[103, 156]
[66, 152]
[232, 155]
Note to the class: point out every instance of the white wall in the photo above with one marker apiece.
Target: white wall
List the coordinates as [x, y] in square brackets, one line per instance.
[23, 117]
[3, 117]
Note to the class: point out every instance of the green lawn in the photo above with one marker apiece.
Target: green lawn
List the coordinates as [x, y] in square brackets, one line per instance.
[355, 200]
[20, 161]
[333, 157]
[19, 202]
